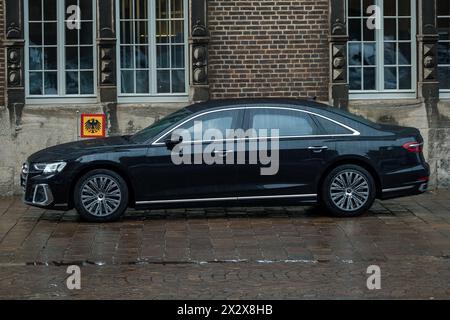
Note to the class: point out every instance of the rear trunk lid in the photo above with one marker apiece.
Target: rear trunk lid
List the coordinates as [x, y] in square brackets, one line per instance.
[400, 131]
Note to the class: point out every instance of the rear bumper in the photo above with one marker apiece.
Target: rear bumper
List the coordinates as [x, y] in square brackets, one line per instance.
[410, 190]
[416, 183]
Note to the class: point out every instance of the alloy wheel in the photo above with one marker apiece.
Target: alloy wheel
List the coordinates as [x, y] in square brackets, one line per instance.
[101, 195]
[349, 190]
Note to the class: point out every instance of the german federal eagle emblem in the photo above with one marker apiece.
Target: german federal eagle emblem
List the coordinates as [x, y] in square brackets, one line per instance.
[93, 125]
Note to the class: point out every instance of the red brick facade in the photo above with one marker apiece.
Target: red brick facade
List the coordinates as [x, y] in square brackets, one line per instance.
[268, 48]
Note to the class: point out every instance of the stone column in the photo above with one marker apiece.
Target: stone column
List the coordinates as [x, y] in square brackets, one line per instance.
[338, 86]
[198, 48]
[427, 40]
[106, 48]
[14, 46]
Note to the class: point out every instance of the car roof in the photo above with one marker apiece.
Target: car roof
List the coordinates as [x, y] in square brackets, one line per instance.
[212, 104]
[308, 105]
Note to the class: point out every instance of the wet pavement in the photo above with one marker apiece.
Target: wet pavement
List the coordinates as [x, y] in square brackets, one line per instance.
[232, 253]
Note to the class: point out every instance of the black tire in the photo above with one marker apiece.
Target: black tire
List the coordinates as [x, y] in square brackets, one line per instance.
[355, 198]
[115, 201]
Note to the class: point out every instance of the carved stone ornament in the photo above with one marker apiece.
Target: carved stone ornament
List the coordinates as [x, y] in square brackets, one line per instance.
[338, 62]
[199, 53]
[338, 28]
[14, 64]
[199, 30]
[429, 61]
[200, 64]
[106, 66]
[429, 29]
[200, 75]
[13, 31]
[198, 49]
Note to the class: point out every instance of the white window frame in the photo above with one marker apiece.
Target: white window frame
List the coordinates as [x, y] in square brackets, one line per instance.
[153, 96]
[379, 43]
[61, 97]
[444, 93]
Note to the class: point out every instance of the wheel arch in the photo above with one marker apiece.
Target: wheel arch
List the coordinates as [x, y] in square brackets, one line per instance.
[106, 166]
[358, 161]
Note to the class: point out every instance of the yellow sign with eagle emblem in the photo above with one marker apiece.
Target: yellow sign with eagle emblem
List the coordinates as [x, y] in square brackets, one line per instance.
[93, 125]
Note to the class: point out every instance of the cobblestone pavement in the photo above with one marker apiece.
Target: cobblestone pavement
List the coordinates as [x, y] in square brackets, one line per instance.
[240, 253]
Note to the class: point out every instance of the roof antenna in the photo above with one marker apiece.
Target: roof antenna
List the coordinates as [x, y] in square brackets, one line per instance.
[313, 98]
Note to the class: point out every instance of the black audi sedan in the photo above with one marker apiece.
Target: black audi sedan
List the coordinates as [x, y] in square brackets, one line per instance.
[312, 153]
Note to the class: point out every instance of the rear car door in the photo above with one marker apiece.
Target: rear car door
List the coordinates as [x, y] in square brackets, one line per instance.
[303, 151]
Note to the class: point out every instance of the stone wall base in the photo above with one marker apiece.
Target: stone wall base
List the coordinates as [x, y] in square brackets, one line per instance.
[414, 113]
[40, 127]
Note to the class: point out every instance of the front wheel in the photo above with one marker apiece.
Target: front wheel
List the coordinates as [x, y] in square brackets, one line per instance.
[101, 196]
[348, 191]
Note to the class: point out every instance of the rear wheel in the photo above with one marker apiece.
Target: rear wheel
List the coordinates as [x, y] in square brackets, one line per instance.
[348, 191]
[101, 196]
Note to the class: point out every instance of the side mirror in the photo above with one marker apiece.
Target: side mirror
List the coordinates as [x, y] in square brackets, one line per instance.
[173, 141]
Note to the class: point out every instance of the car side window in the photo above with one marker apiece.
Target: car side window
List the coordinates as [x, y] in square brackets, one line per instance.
[288, 122]
[220, 120]
[331, 127]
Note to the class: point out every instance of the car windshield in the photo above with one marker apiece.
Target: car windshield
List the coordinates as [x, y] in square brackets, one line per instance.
[159, 126]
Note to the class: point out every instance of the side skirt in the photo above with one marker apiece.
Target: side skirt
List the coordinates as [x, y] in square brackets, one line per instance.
[180, 201]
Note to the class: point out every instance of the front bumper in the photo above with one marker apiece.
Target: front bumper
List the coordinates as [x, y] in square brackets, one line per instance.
[42, 196]
[43, 191]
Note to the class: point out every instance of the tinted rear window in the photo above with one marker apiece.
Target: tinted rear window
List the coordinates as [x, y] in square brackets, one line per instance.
[332, 128]
[354, 117]
[287, 122]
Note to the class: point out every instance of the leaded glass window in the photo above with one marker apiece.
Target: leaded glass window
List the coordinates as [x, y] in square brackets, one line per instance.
[60, 59]
[381, 59]
[443, 22]
[152, 47]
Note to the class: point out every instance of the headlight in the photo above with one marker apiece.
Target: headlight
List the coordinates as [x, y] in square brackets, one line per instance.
[50, 168]
[25, 168]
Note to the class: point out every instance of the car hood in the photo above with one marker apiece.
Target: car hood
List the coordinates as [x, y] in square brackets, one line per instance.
[77, 148]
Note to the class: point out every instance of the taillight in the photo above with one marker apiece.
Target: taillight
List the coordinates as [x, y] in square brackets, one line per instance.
[414, 146]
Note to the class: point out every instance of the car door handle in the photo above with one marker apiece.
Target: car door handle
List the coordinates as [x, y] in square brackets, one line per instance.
[318, 149]
[222, 153]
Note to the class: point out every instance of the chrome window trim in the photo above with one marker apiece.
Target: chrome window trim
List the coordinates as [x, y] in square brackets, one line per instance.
[354, 132]
[227, 199]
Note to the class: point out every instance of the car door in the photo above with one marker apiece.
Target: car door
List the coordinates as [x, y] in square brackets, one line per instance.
[302, 152]
[172, 177]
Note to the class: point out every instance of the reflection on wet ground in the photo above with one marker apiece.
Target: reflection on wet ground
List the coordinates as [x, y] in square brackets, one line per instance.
[281, 252]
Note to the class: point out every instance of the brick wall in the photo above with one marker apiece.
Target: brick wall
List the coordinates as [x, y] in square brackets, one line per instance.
[268, 48]
[2, 55]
